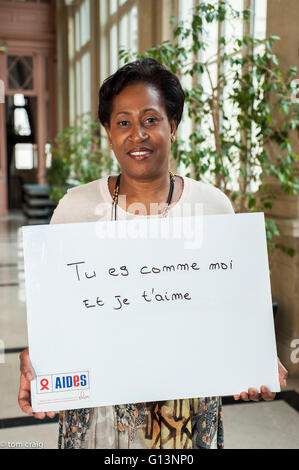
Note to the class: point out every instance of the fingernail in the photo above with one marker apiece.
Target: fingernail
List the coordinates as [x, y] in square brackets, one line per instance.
[28, 376]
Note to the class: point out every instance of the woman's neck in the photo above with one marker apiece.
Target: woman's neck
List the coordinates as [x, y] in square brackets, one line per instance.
[153, 190]
[148, 195]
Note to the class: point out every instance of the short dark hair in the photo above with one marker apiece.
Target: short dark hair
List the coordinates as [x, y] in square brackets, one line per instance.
[148, 71]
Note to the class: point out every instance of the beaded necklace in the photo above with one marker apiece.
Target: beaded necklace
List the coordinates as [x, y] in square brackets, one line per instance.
[116, 192]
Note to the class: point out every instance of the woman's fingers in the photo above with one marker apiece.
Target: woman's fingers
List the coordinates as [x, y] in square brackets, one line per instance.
[266, 394]
[243, 396]
[25, 365]
[282, 374]
[24, 397]
[27, 374]
[253, 394]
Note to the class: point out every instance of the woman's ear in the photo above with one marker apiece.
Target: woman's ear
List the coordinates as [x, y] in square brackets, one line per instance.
[108, 132]
[173, 128]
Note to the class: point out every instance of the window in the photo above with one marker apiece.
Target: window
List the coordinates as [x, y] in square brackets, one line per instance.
[19, 100]
[119, 23]
[79, 59]
[21, 120]
[208, 80]
[259, 22]
[48, 155]
[20, 72]
[114, 25]
[24, 156]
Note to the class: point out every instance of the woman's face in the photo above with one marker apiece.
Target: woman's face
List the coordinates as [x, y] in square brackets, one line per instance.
[140, 132]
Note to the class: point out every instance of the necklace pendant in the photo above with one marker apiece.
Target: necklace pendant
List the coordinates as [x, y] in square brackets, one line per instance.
[165, 212]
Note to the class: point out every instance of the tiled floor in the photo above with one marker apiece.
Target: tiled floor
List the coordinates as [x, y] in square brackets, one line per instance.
[262, 425]
[272, 425]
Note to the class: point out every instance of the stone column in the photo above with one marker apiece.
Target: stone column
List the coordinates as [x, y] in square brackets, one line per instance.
[145, 24]
[41, 119]
[281, 20]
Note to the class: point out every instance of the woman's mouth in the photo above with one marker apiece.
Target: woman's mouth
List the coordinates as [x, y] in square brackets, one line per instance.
[140, 154]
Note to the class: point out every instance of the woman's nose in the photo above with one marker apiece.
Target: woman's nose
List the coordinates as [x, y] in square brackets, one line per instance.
[138, 133]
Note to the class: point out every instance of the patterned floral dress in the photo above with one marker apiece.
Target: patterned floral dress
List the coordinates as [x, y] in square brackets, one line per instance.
[175, 424]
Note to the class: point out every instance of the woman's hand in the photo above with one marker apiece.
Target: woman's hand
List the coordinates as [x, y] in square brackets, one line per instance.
[265, 394]
[24, 397]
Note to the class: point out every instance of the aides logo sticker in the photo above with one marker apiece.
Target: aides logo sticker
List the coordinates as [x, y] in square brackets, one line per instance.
[66, 382]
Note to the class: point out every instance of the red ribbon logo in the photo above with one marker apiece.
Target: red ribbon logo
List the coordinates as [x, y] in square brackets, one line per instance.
[44, 383]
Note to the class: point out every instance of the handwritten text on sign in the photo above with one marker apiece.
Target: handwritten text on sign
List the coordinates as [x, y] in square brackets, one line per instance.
[148, 296]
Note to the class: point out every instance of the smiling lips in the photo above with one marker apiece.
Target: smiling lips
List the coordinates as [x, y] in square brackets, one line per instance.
[140, 153]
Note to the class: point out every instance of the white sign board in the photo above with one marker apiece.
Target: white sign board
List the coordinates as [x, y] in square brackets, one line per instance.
[148, 310]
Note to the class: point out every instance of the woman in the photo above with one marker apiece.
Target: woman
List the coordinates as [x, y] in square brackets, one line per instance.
[140, 107]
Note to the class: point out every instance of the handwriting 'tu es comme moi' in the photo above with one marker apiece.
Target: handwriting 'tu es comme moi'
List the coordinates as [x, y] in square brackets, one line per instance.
[145, 270]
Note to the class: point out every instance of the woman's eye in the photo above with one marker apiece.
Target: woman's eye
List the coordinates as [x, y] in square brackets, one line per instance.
[151, 120]
[122, 123]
